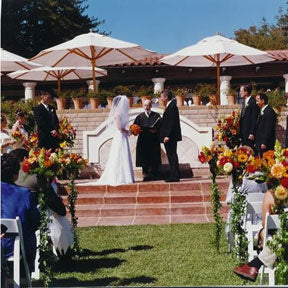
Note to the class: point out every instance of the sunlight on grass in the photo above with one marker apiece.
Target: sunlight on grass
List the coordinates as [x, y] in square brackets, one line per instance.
[160, 255]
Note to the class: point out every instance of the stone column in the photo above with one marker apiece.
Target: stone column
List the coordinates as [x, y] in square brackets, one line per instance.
[90, 84]
[224, 88]
[158, 84]
[285, 76]
[29, 90]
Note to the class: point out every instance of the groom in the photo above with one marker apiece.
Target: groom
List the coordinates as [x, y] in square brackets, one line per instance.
[170, 134]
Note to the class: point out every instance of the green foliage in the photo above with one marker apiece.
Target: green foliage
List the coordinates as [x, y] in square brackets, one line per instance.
[267, 36]
[237, 213]
[9, 108]
[279, 245]
[64, 94]
[92, 94]
[123, 90]
[29, 26]
[145, 91]
[205, 90]
[78, 93]
[276, 98]
[216, 207]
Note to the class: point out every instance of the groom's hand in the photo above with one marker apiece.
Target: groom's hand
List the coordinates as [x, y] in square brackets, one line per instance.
[166, 140]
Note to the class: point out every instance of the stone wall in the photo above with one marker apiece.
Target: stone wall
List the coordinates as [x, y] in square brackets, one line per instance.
[203, 116]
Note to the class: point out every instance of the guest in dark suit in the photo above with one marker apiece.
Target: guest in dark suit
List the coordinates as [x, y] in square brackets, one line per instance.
[249, 115]
[170, 134]
[266, 125]
[47, 122]
[148, 145]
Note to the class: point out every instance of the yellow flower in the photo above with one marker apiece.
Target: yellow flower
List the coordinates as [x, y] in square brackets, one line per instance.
[63, 144]
[220, 136]
[209, 157]
[242, 158]
[278, 170]
[281, 193]
[228, 153]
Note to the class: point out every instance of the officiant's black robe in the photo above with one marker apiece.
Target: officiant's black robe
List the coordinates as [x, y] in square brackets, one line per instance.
[148, 144]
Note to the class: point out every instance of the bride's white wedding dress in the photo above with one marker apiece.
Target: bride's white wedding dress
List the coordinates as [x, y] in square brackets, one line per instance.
[118, 169]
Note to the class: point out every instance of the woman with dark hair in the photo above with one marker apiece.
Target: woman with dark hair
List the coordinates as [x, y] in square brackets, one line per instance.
[16, 201]
[19, 128]
[6, 141]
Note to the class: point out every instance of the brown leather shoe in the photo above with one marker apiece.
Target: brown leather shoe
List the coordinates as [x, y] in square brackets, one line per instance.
[246, 272]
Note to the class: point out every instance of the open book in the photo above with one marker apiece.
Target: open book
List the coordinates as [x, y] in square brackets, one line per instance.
[153, 125]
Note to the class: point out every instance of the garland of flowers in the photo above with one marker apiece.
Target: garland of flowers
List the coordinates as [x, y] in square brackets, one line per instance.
[279, 244]
[209, 155]
[46, 253]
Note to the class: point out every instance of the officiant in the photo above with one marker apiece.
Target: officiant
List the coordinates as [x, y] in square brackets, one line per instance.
[148, 145]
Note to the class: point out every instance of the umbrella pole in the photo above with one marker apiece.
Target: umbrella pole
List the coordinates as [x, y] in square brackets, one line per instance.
[59, 85]
[218, 80]
[93, 75]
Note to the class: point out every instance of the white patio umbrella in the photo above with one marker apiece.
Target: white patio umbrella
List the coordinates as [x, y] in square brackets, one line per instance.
[91, 49]
[57, 73]
[217, 51]
[11, 62]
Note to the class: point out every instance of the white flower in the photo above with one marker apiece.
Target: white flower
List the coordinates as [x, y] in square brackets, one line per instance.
[228, 167]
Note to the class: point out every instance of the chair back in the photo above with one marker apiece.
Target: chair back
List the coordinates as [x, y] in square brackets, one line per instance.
[255, 197]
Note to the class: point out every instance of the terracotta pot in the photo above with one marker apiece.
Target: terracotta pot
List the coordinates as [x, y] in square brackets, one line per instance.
[61, 102]
[77, 103]
[213, 99]
[109, 101]
[231, 99]
[131, 100]
[143, 98]
[180, 100]
[94, 102]
[196, 100]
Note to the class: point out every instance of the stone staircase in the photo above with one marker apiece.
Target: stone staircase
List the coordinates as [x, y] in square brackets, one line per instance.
[157, 202]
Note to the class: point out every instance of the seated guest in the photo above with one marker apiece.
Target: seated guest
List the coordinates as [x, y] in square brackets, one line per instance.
[19, 127]
[266, 257]
[16, 201]
[6, 141]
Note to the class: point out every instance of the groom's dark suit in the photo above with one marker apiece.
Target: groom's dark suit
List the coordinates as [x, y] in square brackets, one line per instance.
[248, 121]
[46, 122]
[266, 130]
[171, 128]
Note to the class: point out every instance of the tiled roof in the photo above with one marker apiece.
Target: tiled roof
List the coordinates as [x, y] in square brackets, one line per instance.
[279, 55]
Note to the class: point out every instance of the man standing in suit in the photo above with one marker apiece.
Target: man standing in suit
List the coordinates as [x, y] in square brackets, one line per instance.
[148, 146]
[266, 125]
[170, 134]
[47, 122]
[249, 115]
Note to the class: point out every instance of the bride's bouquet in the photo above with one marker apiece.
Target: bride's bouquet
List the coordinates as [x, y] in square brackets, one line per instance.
[135, 129]
[17, 136]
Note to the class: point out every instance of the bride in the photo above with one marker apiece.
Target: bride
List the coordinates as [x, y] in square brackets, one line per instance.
[118, 169]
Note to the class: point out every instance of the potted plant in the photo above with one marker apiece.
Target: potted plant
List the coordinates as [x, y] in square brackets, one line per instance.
[180, 96]
[77, 97]
[124, 90]
[145, 92]
[108, 96]
[94, 99]
[231, 95]
[207, 93]
[61, 99]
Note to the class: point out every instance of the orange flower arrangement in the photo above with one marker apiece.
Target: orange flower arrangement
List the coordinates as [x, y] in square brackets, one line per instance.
[135, 129]
[17, 135]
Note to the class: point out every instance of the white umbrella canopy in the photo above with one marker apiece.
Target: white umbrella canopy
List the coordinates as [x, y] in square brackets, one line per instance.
[217, 51]
[57, 73]
[11, 62]
[91, 49]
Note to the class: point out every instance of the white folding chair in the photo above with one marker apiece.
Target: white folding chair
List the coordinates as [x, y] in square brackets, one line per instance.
[36, 273]
[271, 222]
[14, 227]
[251, 225]
[255, 197]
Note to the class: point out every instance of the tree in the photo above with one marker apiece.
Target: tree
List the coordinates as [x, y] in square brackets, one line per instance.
[29, 26]
[267, 36]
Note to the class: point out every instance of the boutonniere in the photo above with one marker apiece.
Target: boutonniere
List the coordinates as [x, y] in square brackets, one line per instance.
[247, 105]
[52, 110]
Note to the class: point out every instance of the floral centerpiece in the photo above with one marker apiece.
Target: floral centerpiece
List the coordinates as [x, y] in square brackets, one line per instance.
[228, 129]
[32, 141]
[135, 129]
[66, 133]
[17, 135]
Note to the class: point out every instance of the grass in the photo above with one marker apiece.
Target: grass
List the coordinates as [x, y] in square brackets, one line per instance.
[148, 255]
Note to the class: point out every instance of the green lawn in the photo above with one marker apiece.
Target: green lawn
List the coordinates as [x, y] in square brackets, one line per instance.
[151, 255]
